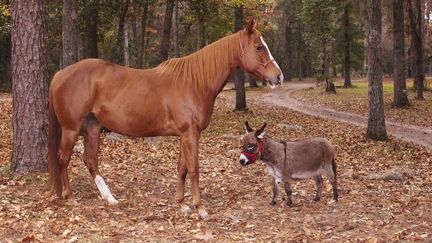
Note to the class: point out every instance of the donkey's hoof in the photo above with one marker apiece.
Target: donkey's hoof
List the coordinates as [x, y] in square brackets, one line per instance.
[316, 199]
[272, 203]
[289, 204]
[202, 213]
[185, 209]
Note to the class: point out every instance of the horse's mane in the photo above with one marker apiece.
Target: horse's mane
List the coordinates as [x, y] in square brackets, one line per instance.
[200, 69]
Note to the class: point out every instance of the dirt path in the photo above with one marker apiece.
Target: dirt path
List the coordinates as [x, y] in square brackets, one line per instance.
[283, 97]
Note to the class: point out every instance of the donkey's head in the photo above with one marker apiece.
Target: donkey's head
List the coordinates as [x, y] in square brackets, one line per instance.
[252, 144]
[256, 57]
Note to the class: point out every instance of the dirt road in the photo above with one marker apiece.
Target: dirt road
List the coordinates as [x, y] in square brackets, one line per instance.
[283, 96]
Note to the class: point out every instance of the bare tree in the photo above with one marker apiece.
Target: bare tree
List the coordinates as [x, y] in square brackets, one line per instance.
[415, 19]
[239, 78]
[400, 92]
[376, 122]
[30, 86]
[166, 38]
[70, 32]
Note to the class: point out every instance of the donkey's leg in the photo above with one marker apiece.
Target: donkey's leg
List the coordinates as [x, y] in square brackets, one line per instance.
[319, 182]
[189, 150]
[288, 192]
[91, 148]
[331, 175]
[65, 151]
[275, 191]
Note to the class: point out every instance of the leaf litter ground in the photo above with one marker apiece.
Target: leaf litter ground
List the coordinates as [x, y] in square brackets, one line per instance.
[142, 176]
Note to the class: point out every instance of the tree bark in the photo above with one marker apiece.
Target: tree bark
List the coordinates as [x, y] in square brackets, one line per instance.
[142, 35]
[176, 26]
[347, 47]
[415, 17]
[118, 52]
[126, 43]
[30, 87]
[166, 38]
[70, 38]
[239, 79]
[376, 129]
[288, 50]
[91, 14]
[400, 92]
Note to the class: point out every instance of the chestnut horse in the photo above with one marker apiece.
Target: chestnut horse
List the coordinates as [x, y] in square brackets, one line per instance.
[174, 99]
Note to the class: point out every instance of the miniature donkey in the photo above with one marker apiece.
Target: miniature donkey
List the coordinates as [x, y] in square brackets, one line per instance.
[303, 159]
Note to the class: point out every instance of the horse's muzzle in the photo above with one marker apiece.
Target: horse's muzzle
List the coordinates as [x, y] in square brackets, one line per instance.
[276, 81]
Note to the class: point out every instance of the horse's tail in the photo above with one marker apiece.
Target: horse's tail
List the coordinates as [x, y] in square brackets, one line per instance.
[54, 136]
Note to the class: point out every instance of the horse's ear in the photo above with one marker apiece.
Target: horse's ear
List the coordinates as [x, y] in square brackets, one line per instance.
[247, 127]
[260, 132]
[251, 26]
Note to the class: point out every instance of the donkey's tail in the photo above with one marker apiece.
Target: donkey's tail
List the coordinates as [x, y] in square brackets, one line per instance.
[54, 136]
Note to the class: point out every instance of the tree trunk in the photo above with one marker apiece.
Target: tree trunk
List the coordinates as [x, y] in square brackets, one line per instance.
[142, 35]
[330, 87]
[118, 52]
[376, 122]
[30, 87]
[239, 80]
[299, 52]
[91, 25]
[176, 29]
[400, 92]
[288, 51]
[166, 38]
[5, 62]
[347, 47]
[126, 44]
[70, 33]
[415, 17]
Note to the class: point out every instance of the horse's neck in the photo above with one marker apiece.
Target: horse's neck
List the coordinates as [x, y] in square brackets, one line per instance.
[217, 61]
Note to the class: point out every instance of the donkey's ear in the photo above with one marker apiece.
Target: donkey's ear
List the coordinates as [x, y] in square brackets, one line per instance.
[251, 26]
[247, 127]
[260, 132]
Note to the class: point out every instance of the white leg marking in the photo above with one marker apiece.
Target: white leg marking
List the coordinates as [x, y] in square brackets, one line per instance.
[104, 190]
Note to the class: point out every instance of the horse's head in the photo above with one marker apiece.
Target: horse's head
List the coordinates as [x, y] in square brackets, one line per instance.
[252, 144]
[256, 57]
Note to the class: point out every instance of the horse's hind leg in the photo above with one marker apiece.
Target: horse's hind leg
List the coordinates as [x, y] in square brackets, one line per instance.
[65, 151]
[319, 182]
[91, 148]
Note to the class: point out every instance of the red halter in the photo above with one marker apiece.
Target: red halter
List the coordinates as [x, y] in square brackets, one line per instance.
[244, 55]
[254, 156]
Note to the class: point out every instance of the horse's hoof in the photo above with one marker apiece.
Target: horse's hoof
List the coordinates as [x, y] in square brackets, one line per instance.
[202, 213]
[185, 209]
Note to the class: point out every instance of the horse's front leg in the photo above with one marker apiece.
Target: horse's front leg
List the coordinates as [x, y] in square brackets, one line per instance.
[189, 159]
[182, 172]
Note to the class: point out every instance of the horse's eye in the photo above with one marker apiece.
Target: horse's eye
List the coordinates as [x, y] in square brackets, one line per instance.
[260, 48]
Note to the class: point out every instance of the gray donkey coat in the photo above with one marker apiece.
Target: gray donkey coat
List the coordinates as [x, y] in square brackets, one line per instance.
[302, 159]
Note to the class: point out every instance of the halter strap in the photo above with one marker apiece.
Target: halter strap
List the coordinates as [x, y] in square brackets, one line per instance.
[254, 156]
[244, 55]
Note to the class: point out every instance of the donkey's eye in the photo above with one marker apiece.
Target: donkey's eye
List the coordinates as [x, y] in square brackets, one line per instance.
[250, 146]
[260, 48]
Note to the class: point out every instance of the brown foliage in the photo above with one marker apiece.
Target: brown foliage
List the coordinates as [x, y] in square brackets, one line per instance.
[143, 175]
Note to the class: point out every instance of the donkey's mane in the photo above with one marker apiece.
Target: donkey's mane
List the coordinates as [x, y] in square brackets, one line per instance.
[202, 68]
